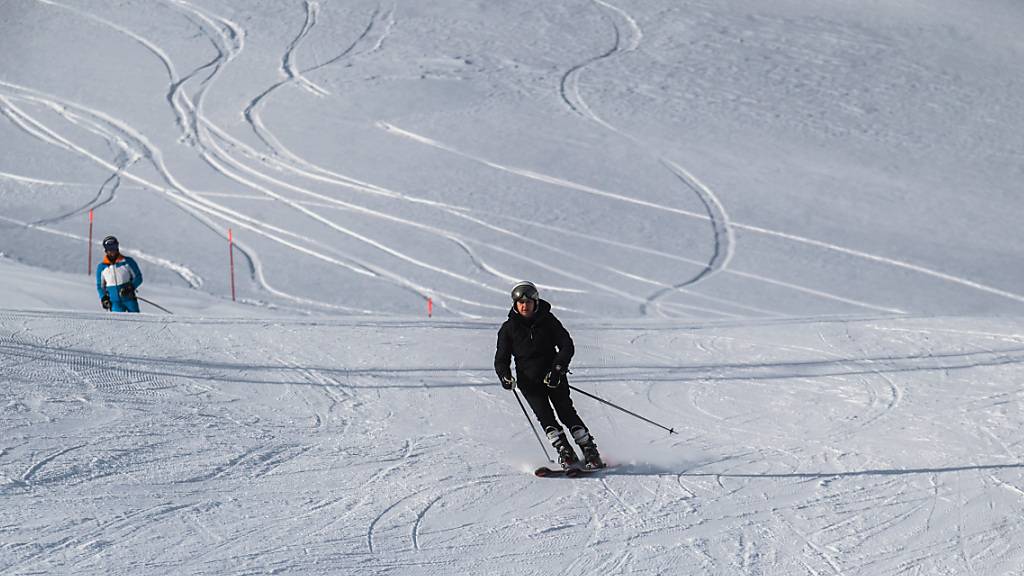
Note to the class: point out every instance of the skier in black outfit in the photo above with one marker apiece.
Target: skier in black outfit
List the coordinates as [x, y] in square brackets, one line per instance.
[543, 348]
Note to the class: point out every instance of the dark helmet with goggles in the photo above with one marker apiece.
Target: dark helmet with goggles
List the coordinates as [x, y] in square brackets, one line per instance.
[525, 291]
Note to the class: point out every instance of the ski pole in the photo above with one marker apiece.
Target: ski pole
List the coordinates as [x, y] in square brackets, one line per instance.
[530, 422]
[670, 430]
[137, 297]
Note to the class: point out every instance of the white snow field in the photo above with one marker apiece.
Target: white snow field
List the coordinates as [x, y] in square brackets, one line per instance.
[788, 230]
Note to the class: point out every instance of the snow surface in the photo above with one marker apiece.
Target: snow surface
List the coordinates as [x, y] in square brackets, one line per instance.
[788, 230]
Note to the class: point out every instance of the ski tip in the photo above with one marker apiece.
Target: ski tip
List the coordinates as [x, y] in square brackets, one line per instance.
[544, 472]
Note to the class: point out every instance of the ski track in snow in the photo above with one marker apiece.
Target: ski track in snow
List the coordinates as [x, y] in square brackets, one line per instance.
[26, 478]
[296, 75]
[305, 169]
[227, 38]
[218, 158]
[136, 445]
[722, 227]
[557, 181]
[723, 241]
[215, 146]
[128, 138]
[190, 111]
[416, 501]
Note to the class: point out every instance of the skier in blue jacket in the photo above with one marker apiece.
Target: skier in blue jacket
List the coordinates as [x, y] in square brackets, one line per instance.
[117, 277]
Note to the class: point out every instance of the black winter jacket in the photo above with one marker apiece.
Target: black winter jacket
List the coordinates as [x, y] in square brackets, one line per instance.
[538, 343]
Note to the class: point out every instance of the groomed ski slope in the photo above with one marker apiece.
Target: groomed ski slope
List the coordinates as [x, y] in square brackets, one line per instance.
[663, 160]
[789, 230]
[156, 444]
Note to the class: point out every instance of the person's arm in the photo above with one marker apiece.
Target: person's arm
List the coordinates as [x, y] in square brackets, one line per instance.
[503, 354]
[136, 272]
[100, 288]
[563, 342]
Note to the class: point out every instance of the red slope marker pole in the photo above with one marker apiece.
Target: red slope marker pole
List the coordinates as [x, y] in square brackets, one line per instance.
[430, 307]
[231, 258]
[89, 269]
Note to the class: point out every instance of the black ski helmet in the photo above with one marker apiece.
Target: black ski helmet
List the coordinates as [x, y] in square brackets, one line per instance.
[525, 290]
[110, 243]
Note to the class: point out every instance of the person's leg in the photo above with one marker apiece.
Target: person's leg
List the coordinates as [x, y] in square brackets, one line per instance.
[563, 406]
[546, 416]
[117, 305]
[567, 414]
[131, 305]
[542, 409]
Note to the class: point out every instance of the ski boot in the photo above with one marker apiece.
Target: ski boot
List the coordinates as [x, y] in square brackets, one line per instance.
[591, 457]
[566, 455]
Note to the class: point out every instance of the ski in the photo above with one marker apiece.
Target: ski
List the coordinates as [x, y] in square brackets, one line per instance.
[545, 472]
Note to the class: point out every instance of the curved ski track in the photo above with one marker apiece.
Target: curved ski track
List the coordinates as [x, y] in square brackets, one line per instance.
[251, 168]
[584, 188]
[228, 38]
[723, 237]
[219, 158]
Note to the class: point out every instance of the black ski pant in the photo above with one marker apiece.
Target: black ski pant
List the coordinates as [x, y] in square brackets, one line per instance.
[545, 402]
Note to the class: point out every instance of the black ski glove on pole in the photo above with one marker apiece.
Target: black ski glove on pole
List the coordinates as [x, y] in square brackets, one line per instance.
[508, 382]
[127, 292]
[554, 378]
[105, 301]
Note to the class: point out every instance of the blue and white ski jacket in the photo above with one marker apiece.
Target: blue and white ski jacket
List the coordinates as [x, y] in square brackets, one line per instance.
[110, 276]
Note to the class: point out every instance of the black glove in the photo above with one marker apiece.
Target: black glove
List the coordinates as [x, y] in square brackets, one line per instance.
[508, 382]
[127, 291]
[554, 377]
[105, 301]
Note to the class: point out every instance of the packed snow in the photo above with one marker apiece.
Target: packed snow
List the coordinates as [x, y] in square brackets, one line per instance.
[788, 231]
